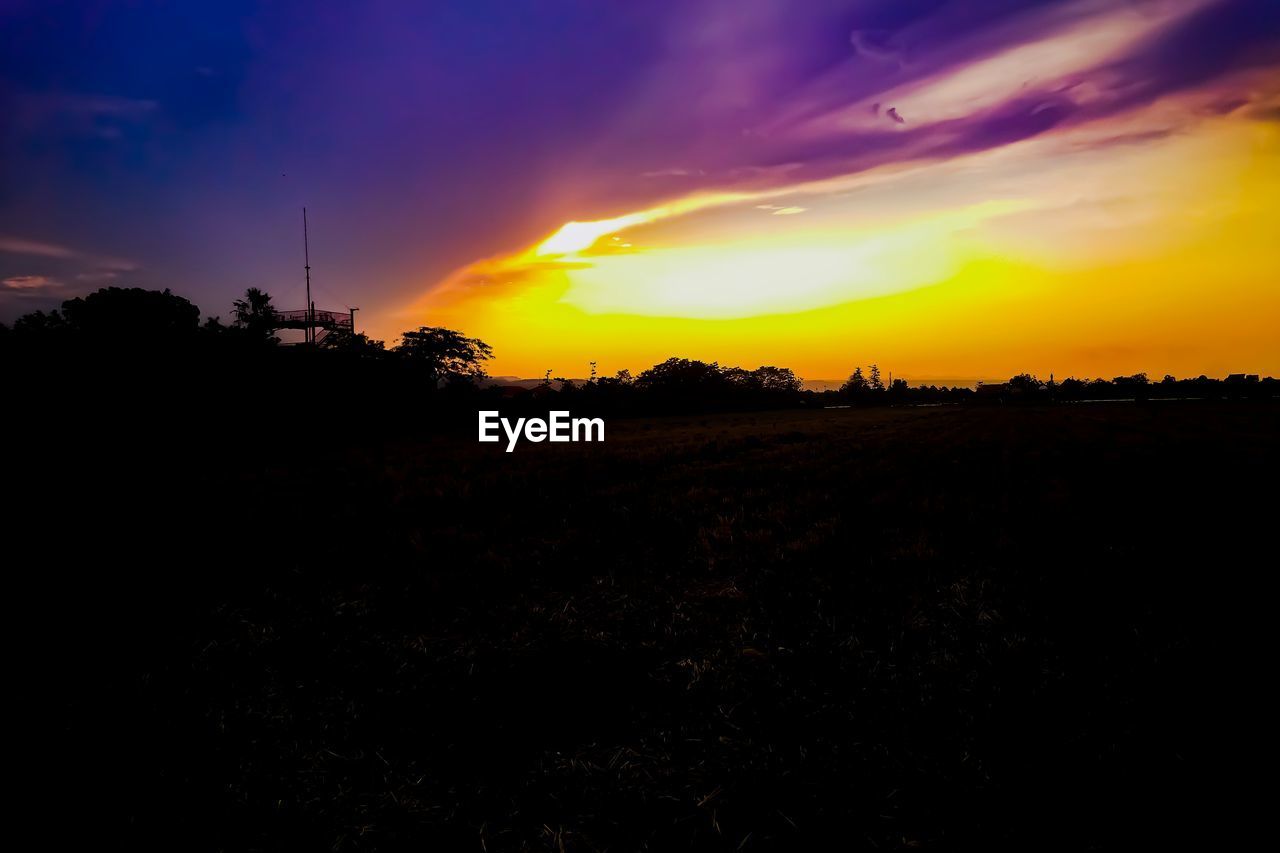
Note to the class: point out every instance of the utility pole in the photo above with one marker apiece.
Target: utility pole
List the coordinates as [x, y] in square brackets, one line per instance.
[353, 320]
[306, 255]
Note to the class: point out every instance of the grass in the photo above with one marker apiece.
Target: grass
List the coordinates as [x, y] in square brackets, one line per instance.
[935, 628]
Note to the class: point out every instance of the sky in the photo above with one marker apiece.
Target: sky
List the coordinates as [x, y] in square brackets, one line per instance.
[946, 189]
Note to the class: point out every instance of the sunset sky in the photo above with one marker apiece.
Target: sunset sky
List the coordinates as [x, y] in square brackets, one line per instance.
[949, 189]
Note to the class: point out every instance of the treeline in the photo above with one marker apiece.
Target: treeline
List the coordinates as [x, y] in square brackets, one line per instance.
[1026, 388]
[868, 389]
[127, 359]
[688, 385]
[144, 347]
[115, 320]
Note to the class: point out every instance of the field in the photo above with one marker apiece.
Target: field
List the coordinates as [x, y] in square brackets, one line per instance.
[926, 628]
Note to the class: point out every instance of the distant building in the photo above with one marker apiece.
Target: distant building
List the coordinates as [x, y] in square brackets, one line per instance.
[1241, 378]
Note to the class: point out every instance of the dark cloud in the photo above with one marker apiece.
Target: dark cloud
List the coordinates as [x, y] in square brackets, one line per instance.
[873, 45]
[1206, 46]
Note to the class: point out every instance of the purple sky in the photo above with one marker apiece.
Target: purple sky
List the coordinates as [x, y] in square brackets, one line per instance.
[173, 144]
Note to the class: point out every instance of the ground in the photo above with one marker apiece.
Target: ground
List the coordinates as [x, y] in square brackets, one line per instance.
[931, 628]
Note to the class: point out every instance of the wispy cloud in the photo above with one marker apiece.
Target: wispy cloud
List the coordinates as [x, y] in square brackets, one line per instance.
[97, 276]
[105, 105]
[16, 245]
[938, 82]
[78, 114]
[69, 265]
[999, 97]
[29, 283]
[672, 173]
[23, 246]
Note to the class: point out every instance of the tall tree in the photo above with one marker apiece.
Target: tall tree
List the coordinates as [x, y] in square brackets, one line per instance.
[131, 317]
[443, 354]
[856, 384]
[682, 375]
[770, 378]
[255, 316]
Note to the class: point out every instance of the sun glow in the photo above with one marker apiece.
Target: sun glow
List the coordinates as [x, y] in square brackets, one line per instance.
[1084, 250]
[576, 237]
[773, 273]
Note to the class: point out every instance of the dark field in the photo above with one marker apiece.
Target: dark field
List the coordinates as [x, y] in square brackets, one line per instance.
[934, 628]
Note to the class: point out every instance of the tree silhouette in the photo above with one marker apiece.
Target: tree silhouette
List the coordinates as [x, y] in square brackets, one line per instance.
[1025, 383]
[738, 378]
[128, 317]
[255, 316]
[765, 378]
[352, 342]
[443, 354]
[125, 323]
[39, 324]
[682, 375]
[856, 384]
[213, 327]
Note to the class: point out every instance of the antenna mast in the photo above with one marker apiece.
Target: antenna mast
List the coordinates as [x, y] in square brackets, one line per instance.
[306, 255]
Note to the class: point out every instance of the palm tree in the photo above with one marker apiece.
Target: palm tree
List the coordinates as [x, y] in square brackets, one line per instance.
[255, 316]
